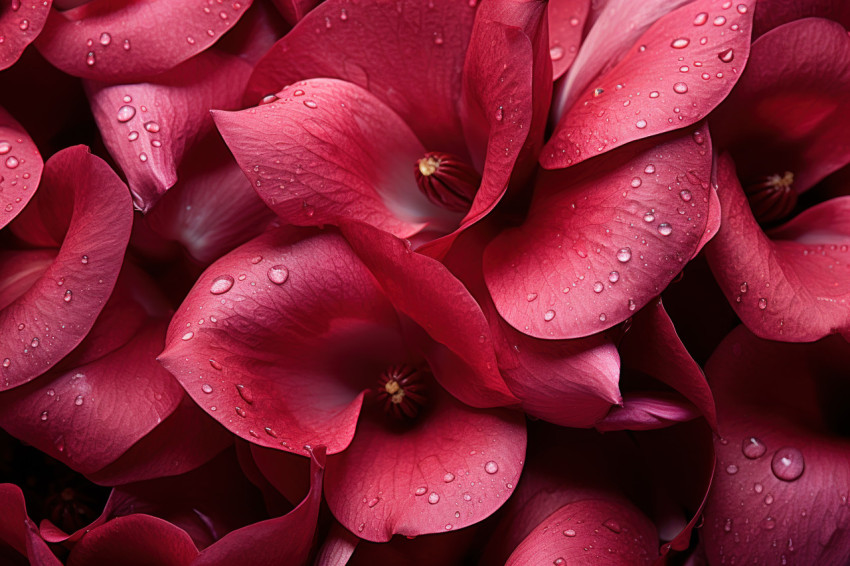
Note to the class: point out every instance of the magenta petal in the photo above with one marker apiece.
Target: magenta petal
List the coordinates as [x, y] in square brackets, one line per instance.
[648, 411]
[19, 532]
[590, 532]
[389, 57]
[463, 358]
[20, 24]
[20, 168]
[566, 23]
[118, 41]
[789, 284]
[148, 127]
[55, 314]
[326, 151]
[339, 545]
[278, 340]
[267, 542]
[790, 109]
[600, 241]
[135, 540]
[459, 466]
[294, 11]
[774, 13]
[675, 74]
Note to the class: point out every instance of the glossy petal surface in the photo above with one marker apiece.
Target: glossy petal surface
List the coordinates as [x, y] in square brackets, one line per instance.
[20, 168]
[20, 24]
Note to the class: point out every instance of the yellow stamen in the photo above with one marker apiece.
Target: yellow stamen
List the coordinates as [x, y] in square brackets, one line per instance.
[783, 182]
[428, 166]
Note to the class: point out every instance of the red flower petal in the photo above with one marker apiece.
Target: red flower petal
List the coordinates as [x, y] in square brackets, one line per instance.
[789, 284]
[135, 540]
[590, 532]
[602, 240]
[566, 23]
[648, 410]
[294, 11]
[267, 542]
[338, 547]
[293, 332]
[18, 531]
[63, 414]
[81, 194]
[326, 151]
[774, 13]
[386, 50]
[460, 465]
[123, 40]
[20, 168]
[784, 461]
[20, 24]
[461, 354]
[148, 127]
[789, 111]
[675, 74]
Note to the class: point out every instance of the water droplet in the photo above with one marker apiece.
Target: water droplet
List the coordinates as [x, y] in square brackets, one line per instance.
[126, 45]
[649, 217]
[624, 255]
[570, 533]
[548, 315]
[143, 157]
[742, 8]
[24, 25]
[78, 400]
[206, 388]
[719, 21]
[84, 260]
[752, 447]
[5, 147]
[491, 467]
[12, 162]
[665, 229]
[598, 91]
[420, 490]
[221, 284]
[653, 94]
[433, 498]
[614, 276]
[640, 124]
[700, 19]
[787, 464]
[241, 412]
[636, 182]
[559, 562]
[768, 499]
[731, 469]
[598, 287]
[556, 52]
[372, 502]
[762, 303]
[449, 477]
[769, 523]
[90, 61]
[602, 317]
[278, 274]
[310, 104]
[500, 113]
[530, 297]
[245, 393]
[650, 169]
[68, 296]
[7, 362]
[727, 55]
[680, 43]
[758, 488]
[151, 127]
[34, 342]
[105, 39]
[467, 497]
[188, 336]
[44, 415]
[612, 526]
[133, 136]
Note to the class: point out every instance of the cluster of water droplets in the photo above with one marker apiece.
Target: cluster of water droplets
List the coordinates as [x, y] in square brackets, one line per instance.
[127, 113]
[11, 161]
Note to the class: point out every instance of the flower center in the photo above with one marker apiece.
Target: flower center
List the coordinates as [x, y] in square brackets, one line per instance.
[401, 391]
[447, 181]
[772, 198]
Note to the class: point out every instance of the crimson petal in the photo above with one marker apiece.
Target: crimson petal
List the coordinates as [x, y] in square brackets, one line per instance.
[326, 151]
[460, 465]
[675, 74]
[21, 171]
[53, 316]
[294, 10]
[774, 13]
[566, 22]
[118, 41]
[148, 127]
[20, 24]
[602, 240]
[19, 532]
[788, 284]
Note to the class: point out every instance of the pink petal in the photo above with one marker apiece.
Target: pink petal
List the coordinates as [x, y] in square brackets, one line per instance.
[267, 542]
[648, 411]
[453, 547]
[124, 41]
[460, 354]
[213, 207]
[674, 75]
[789, 284]
[81, 194]
[601, 241]
[566, 23]
[592, 532]
[148, 127]
[326, 151]
[783, 461]
[18, 531]
[256, 33]
[293, 332]
[20, 24]
[294, 11]
[63, 414]
[773, 13]
[338, 547]
[460, 465]
[789, 110]
[135, 540]
[21, 168]
[384, 49]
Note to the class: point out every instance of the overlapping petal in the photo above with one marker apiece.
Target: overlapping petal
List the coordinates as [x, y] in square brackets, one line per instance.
[601, 240]
[675, 74]
[148, 127]
[20, 168]
[774, 13]
[83, 206]
[20, 542]
[132, 40]
[20, 24]
[566, 23]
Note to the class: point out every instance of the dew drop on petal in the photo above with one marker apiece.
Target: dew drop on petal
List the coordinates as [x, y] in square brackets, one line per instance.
[680, 88]
[665, 229]
[762, 303]
[787, 464]
[126, 113]
[570, 533]
[188, 336]
[420, 490]
[636, 182]
[310, 104]
[449, 477]
[700, 19]
[491, 467]
[650, 169]
[221, 284]
[549, 315]
[753, 448]
[624, 255]
[680, 43]
[206, 388]
[433, 498]
[12, 162]
[5, 147]
[640, 124]
[78, 400]
[68, 296]
[727, 55]
[598, 287]
[278, 274]
[614, 276]
[105, 39]
[151, 127]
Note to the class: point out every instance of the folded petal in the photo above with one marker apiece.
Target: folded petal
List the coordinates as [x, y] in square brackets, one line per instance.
[124, 40]
[566, 23]
[790, 109]
[774, 13]
[87, 209]
[279, 339]
[20, 24]
[338, 547]
[148, 127]
[648, 411]
[453, 468]
[19, 532]
[675, 74]
[21, 168]
[388, 50]
[326, 151]
[601, 240]
[790, 283]
[294, 10]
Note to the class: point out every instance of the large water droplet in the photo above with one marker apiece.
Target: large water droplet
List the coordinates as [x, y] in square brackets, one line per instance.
[420, 490]
[762, 303]
[548, 315]
[151, 127]
[68, 296]
[788, 464]
[556, 52]
[5, 147]
[570, 533]
[624, 255]
[278, 274]
[207, 388]
[612, 526]
[310, 104]
[433, 498]
[246, 394]
[680, 43]
[105, 39]
[12, 162]
[680, 88]
[753, 448]
[614, 276]
[665, 229]
[491, 467]
[449, 477]
[34, 342]
[221, 284]
[7, 362]
[700, 19]
[727, 55]
[640, 124]
[598, 287]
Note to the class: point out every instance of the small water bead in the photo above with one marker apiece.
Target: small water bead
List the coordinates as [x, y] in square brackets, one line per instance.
[548, 315]
[530, 297]
[467, 497]
[215, 365]
[157, 143]
[665, 229]
[433, 498]
[624, 255]
[491, 467]
[133, 136]
[758, 488]
[680, 43]
[686, 195]
[310, 104]
[143, 157]
[640, 124]
[221, 284]
[705, 76]
[188, 336]
[570, 533]
[241, 412]
[559, 562]
[152, 127]
[44, 415]
[126, 113]
[700, 19]
[636, 182]
[684, 69]
[598, 287]
[556, 52]
[602, 317]
[598, 91]
[5, 147]
[245, 393]
[68, 296]
[731, 469]
[753, 448]
[650, 169]
[719, 21]
[768, 499]
[614, 276]
[24, 25]
[742, 8]
[649, 217]
[654, 94]
[90, 60]
[762, 303]
[207, 388]
[727, 55]
[105, 39]
[78, 400]
[787, 464]
[278, 274]
[7, 362]
[12, 162]
[420, 490]
[126, 45]
[449, 477]
[34, 343]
